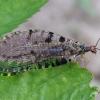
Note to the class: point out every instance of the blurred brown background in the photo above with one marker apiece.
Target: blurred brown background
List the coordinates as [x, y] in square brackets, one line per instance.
[77, 19]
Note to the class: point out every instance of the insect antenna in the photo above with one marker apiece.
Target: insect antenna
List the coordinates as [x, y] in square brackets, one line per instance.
[96, 44]
[97, 48]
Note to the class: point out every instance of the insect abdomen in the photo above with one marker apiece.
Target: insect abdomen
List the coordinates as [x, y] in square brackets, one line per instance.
[40, 65]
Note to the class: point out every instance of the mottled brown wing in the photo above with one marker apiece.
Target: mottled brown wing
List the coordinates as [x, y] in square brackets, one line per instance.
[35, 46]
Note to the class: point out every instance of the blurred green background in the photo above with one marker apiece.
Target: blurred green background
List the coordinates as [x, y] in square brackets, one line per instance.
[76, 19]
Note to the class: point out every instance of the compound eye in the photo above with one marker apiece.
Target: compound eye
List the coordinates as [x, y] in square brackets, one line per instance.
[93, 49]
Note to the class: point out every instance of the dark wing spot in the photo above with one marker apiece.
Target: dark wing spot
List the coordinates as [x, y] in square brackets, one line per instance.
[8, 57]
[39, 66]
[35, 42]
[5, 74]
[15, 33]
[64, 49]
[48, 40]
[53, 65]
[15, 57]
[7, 37]
[4, 42]
[69, 60]
[13, 73]
[50, 34]
[76, 42]
[32, 52]
[30, 33]
[58, 62]
[62, 39]
[63, 61]
[71, 52]
[46, 65]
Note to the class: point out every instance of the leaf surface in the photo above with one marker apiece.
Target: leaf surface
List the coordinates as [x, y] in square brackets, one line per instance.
[15, 12]
[67, 82]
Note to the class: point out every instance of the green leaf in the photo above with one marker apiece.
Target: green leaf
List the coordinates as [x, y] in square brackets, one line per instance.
[3, 2]
[67, 82]
[15, 12]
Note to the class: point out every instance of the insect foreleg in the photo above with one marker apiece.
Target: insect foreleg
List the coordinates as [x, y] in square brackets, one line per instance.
[86, 61]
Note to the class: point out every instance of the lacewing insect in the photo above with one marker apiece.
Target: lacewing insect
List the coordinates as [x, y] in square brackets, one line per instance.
[38, 47]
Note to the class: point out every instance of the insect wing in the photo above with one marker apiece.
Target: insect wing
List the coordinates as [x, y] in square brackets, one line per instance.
[35, 46]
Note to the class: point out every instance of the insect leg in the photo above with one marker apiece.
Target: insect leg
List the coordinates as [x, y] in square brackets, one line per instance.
[86, 61]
